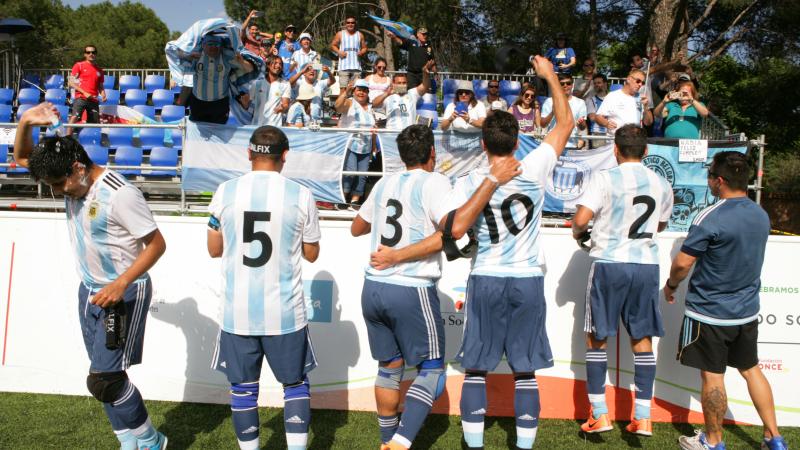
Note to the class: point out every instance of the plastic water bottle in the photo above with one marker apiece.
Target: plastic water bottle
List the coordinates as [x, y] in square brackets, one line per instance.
[56, 126]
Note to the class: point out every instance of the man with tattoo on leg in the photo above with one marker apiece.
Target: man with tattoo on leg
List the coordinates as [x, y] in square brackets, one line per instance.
[727, 241]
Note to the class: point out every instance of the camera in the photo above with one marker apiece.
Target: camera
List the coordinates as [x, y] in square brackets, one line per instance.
[258, 14]
[114, 323]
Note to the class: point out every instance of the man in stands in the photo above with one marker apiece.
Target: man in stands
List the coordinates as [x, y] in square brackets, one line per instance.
[400, 102]
[349, 44]
[262, 225]
[505, 292]
[270, 96]
[116, 241]
[577, 106]
[493, 101]
[625, 105]
[629, 204]
[251, 37]
[584, 88]
[419, 53]
[308, 75]
[598, 94]
[87, 80]
[726, 245]
[209, 96]
[400, 304]
[286, 48]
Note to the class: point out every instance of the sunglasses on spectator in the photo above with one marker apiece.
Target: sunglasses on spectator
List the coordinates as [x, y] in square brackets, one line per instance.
[715, 175]
[350, 23]
[527, 96]
[459, 93]
[566, 83]
[588, 65]
[494, 86]
[90, 52]
[638, 80]
[380, 67]
[361, 89]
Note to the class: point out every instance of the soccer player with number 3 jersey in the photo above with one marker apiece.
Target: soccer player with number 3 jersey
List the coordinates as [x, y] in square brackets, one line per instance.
[262, 224]
[630, 204]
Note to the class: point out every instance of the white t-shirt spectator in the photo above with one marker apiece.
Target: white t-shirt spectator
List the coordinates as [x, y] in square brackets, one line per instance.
[621, 108]
[266, 97]
[578, 108]
[475, 112]
[401, 110]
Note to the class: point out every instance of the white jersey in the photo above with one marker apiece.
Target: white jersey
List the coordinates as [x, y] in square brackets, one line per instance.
[405, 208]
[628, 202]
[401, 110]
[297, 115]
[264, 219]
[320, 87]
[578, 108]
[621, 108]
[301, 58]
[358, 117]
[211, 76]
[508, 229]
[106, 228]
[350, 44]
[266, 97]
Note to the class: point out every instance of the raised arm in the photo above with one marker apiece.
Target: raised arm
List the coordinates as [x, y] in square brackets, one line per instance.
[425, 86]
[38, 116]
[342, 102]
[558, 136]
[293, 79]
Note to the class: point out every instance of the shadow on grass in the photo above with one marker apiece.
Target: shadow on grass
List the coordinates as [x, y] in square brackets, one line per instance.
[742, 434]
[324, 425]
[435, 426]
[186, 420]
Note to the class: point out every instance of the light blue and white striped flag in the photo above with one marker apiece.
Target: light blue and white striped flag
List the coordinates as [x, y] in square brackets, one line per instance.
[400, 29]
[215, 153]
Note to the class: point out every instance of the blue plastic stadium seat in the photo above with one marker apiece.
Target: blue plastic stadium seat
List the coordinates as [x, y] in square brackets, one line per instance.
[177, 139]
[6, 96]
[232, 120]
[3, 157]
[153, 82]
[448, 98]
[541, 99]
[148, 111]
[171, 113]
[28, 96]
[55, 81]
[135, 97]
[129, 82]
[129, 156]
[508, 87]
[449, 86]
[510, 99]
[118, 137]
[176, 89]
[56, 96]
[5, 114]
[98, 154]
[30, 78]
[163, 156]
[427, 101]
[431, 115]
[108, 82]
[112, 97]
[481, 88]
[614, 87]
[162, 98]
[152, 137]
[90, 136]
[21, 109]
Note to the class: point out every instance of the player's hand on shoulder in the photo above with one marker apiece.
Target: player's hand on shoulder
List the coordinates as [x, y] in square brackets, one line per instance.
[383, 258]
[505, 168]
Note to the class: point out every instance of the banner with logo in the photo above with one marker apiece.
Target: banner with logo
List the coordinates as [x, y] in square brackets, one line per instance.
[456, 153]
[688, 179]
[215, 153]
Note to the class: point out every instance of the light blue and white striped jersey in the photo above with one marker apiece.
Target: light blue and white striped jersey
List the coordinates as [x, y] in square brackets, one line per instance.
[350, 44]
[106, 228]
[320, 88]
[405, 208]
[401, 110]
[359, 117]
[266, 96]
[508, 229]
[301, 58]
[264, 219]
[297, 115]
[211, 77]
[628, 202]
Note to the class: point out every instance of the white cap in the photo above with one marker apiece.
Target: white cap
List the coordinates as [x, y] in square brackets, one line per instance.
[496, 105]
[305, 36]
[306, 92]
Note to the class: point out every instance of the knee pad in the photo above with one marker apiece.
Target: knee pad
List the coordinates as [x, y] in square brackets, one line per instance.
[389, 377]
[106, 386]
[244, 396]
[293, 391]
[431, 377]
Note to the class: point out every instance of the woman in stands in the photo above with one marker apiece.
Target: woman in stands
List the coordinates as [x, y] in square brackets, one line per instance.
[300, 112]
[466, 113]
[526, 110]
[682, 113]
[379, 83]
[356, 112]
[562, 57]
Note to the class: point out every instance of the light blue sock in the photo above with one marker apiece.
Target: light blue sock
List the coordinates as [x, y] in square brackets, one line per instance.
[127, 440]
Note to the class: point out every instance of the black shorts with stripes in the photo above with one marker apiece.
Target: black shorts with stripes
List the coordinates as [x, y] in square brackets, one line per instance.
[714, 347]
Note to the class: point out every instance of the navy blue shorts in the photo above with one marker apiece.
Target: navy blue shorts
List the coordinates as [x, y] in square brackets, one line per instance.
[92, 317]
[505, 315]
[290, 356]
[402, 321]
[623, 289]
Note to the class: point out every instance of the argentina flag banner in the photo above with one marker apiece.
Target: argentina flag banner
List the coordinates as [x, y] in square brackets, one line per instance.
[456, 153]
[213, 154]
[400, 29]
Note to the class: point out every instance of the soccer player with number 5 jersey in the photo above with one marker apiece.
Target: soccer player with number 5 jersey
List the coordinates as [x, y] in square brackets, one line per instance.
[630, 204]
[262, 224]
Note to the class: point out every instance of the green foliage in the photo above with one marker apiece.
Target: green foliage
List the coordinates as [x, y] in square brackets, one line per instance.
[127, 35]
[782, 172]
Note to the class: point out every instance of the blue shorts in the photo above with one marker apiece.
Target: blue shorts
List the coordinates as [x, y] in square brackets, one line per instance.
[402, 321]
[623, 289]
[92, 317]
[290, 356]
[505, 315]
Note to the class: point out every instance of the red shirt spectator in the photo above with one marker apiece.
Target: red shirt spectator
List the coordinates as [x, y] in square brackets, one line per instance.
[90, 80]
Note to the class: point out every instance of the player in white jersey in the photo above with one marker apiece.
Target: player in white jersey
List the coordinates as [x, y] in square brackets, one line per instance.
[400, 103]
[261, 225]
[505, 292]
[116, 241]
[400, 304]
[630, 204]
